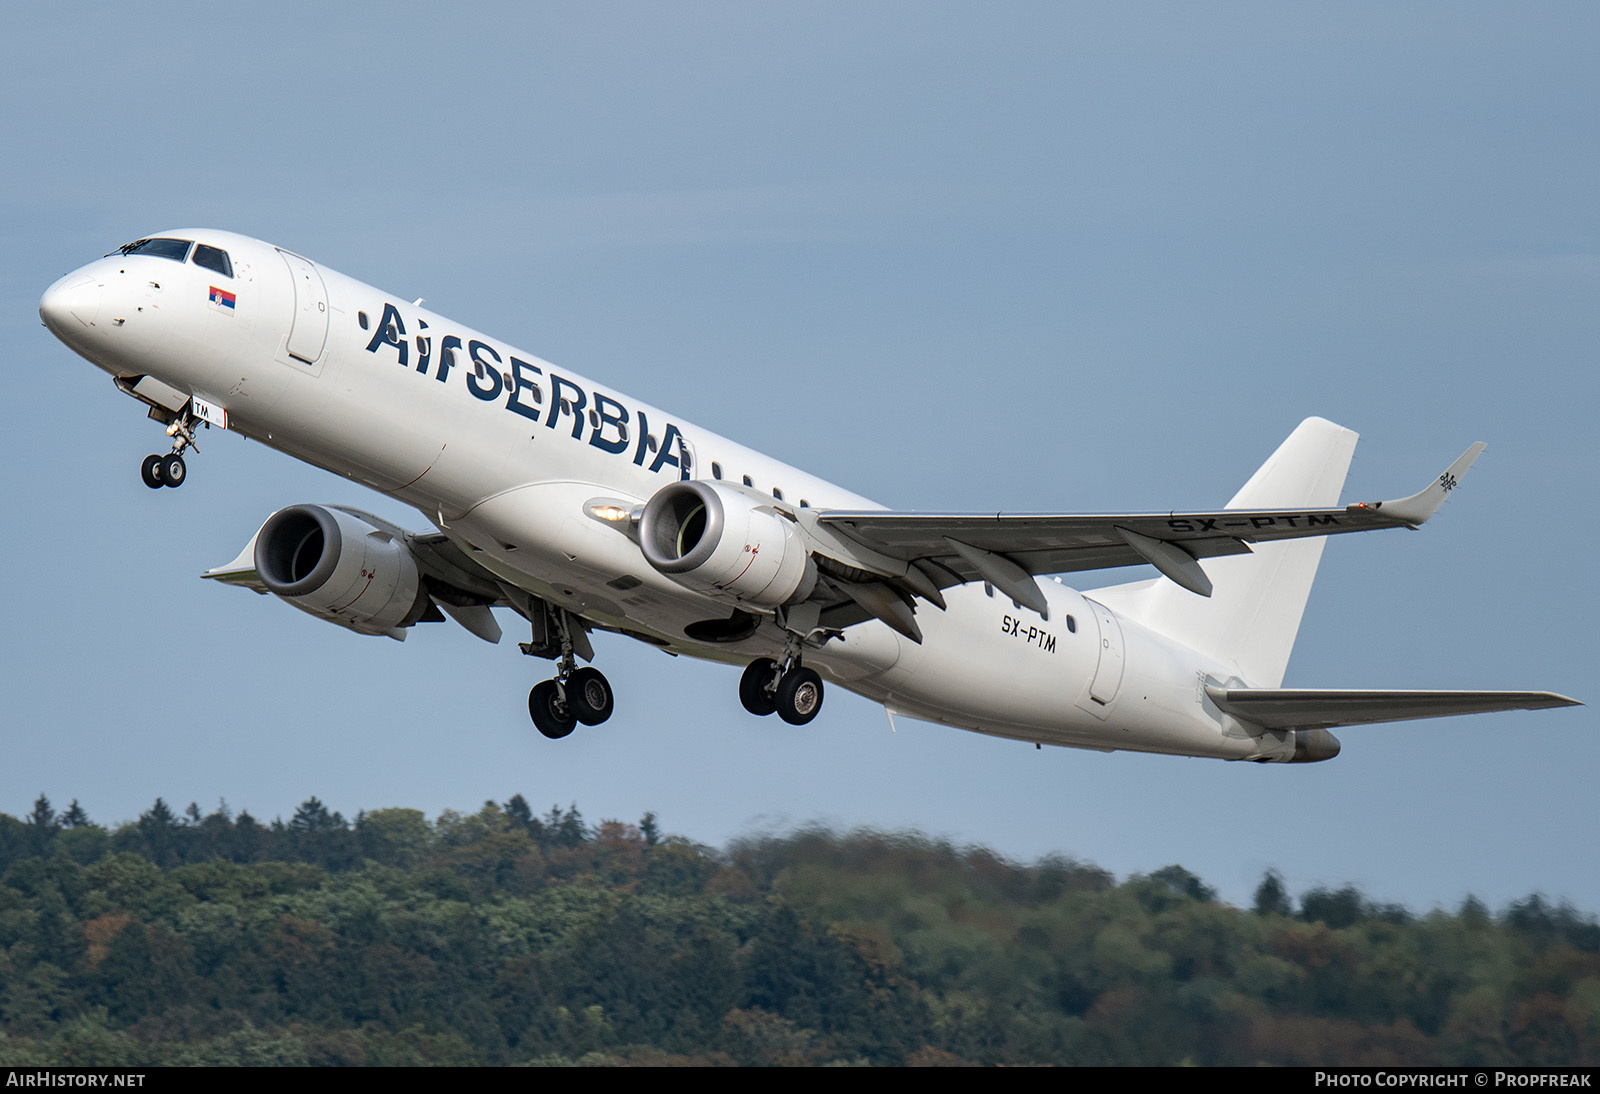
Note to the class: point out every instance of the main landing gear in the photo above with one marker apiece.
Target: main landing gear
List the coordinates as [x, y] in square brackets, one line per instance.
[169, 470]
[557, 706]
[575, 695]
[791, 690]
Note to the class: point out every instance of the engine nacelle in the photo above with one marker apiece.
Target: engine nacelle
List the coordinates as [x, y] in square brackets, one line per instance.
[713, 538]
[341, 568]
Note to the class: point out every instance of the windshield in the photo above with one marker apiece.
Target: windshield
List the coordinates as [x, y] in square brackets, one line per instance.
[213, 258]
[175, 249]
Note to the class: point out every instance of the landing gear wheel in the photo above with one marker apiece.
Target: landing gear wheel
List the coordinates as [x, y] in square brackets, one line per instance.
[150, 472]
[799, 696]
[589, 696]
[753, 687]
[172, 470]
[549, 710]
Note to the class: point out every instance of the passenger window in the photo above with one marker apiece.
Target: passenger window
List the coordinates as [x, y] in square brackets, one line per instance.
[213, 259]
[748, 481]
[777, 493]
[716, 470]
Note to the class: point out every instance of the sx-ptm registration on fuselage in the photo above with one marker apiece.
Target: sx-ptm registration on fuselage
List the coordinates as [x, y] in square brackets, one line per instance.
[581, 509]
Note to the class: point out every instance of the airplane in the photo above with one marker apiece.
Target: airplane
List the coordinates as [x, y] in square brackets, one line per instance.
[581, 509]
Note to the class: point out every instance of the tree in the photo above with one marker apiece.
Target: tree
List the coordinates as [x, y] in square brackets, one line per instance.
[1169, 886]
[565, 829]
[1271, 897]
[1183, 883]
[75, 817]
[394, 837]
[320, 836]
[249, 839]
[157, 829]
[1337, 908]
[313, 818]
[42, 827]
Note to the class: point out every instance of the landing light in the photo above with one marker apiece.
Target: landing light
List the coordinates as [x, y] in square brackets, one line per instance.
[618, 514]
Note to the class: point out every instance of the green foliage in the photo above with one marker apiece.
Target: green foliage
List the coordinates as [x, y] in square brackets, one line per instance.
[502, 937]
[1271, 898]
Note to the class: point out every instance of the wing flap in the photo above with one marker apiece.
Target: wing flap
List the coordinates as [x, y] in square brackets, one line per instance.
[1310, 708]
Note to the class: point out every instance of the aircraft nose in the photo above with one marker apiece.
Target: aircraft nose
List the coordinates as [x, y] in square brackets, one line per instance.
[72, 301]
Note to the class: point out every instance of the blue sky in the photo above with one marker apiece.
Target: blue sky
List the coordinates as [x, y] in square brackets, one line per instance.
[1029, 256]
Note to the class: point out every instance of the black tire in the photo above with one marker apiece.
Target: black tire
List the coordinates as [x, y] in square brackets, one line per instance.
[799, 696]
[753, 687]
[172, 470]
[549, 711]
[150, 472]
[589, 696]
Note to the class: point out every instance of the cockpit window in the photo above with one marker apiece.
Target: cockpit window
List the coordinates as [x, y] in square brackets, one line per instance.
[175, 249]
[213, 259]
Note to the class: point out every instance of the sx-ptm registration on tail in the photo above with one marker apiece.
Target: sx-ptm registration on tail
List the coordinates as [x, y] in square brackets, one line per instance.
[581, 509]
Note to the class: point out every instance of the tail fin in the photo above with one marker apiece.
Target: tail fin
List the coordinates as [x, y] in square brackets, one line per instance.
[1251, 618]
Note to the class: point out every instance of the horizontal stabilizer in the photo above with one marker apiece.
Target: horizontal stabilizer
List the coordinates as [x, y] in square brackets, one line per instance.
[1315, 708]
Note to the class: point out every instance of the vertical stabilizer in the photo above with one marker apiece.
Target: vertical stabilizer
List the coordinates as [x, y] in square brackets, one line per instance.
[1253, 614]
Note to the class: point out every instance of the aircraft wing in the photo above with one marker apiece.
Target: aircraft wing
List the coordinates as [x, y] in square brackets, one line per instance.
[1009, 549]
[1301, 708]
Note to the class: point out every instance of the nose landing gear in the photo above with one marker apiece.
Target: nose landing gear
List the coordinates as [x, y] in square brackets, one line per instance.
[159, 471]
[169, 470]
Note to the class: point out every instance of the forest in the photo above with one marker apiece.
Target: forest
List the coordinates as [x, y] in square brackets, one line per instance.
[506, 936]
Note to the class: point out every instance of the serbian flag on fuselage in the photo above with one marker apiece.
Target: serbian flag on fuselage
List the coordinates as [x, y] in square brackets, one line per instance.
[222, 299]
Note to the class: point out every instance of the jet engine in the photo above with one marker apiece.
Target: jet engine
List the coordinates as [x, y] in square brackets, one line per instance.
[714, 538]
[340, 568]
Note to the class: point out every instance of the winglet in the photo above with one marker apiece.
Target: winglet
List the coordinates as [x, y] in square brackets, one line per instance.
[1416, 509]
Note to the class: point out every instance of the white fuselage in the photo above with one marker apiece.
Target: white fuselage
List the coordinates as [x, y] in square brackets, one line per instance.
[503, 451]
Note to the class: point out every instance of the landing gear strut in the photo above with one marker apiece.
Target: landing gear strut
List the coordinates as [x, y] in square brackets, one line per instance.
[169, 470]
[575, 695]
